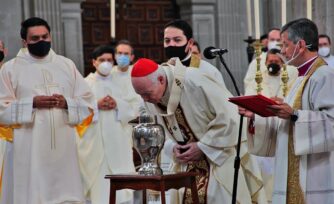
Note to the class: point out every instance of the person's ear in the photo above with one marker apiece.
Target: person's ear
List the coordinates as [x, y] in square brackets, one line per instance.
[302, 45]
[190, 44]
[24, 43]
[161, 79]
[95, 63]
[132, 57]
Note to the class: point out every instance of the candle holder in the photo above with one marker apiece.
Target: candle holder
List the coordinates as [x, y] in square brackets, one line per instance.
[285, 79]
[258, 76]
[250, 48]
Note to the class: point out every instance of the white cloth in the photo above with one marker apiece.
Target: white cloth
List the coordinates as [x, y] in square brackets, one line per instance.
[313, 136]
[211, 71]
[214, 122]
[329, 60]
[44, 164]
[109, 140]
[271, 87]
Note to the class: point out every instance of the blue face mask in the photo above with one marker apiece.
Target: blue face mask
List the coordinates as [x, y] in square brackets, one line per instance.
[123, 60]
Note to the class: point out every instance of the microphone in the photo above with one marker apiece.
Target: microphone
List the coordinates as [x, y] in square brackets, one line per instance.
[212, 52]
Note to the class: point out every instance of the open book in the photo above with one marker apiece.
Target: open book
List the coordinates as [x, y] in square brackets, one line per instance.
[255, 103]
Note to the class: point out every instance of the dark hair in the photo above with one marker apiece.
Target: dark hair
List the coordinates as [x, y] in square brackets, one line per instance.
[124, 42]
[274, 28]
[196, 44]
[182, 25]
[325, 36]
[303, 29]
[273, 51]
[31, 22]
[102, 49]
[264, 36]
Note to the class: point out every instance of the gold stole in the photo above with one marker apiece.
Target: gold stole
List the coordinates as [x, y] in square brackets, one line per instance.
[201, 167]
[195, 61]
[295, 194]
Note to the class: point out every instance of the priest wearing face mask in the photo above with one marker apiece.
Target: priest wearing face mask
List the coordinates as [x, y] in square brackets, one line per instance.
[124, 57]
[107, 145]
[43, 100]
[272, 82]
[178, 42]
[271, 87]
[325, 49]
[301, 135]
[274, 40]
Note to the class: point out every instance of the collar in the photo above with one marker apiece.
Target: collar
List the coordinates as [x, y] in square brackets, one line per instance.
[186, 61]
[165, 98]
[303, 69]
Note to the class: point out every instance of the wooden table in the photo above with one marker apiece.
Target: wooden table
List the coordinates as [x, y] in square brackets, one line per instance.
[157, 183]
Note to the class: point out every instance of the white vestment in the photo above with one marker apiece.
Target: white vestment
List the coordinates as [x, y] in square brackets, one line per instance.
[329, 60]
[107, 145]
[272, 86]
[214, 123]
[41, 165]
[313, 136]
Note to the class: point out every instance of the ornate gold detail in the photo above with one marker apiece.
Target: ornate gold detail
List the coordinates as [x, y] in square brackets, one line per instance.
[285, 79]
[295, 194]
[258, 76]
[201, 167]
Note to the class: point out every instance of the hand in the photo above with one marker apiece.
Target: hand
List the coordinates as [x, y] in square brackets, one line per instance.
[61, 101]
[44, 102]
[106, 103]
[277, 99]
[192, 152]
[245, 112]
[281, 110]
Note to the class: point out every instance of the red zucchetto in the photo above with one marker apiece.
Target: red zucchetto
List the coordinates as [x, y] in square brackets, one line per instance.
[143, 67]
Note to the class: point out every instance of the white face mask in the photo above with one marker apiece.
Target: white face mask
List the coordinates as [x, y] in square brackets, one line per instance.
[104, 68]
[274, 45]
[324, 51]
[293, 57]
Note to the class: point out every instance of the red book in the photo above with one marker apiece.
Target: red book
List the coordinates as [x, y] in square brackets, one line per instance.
[256, 103]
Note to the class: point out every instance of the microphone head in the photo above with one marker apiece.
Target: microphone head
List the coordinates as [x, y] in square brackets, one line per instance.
[208, 54]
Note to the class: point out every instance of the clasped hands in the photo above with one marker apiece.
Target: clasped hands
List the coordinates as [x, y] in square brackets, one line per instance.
[187, 153]
[54, 101]
[281, 110]
[106, 103]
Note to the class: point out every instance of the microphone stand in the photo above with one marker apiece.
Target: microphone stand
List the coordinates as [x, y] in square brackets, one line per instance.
[237, 157]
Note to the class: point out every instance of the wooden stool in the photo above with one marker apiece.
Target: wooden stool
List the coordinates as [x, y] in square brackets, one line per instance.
[157, 183]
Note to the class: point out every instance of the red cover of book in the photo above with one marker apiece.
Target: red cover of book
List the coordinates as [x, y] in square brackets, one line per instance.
[255, 103]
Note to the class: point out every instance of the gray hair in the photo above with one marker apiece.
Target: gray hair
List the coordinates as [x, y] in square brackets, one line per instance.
[154, 76]
[302, 29]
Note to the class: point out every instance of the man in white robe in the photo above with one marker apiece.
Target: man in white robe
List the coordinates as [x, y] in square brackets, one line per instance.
[301, 137]
[272, 86]
[274, 41]
[195, 110]
[107, 145]
[325, 49]
[43, 98]
[178, 42]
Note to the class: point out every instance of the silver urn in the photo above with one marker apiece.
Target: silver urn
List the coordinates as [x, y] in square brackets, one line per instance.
[148, 139]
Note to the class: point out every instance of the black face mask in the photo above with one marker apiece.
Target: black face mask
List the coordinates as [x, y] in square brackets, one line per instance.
[264, 49]
[39, 49]
[273, 68]
[2, 56]
[174, 51]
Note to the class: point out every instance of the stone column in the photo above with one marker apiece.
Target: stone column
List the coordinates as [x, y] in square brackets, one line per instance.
[51, 12]
[231, 30]
[202, 16]
[72, 27]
